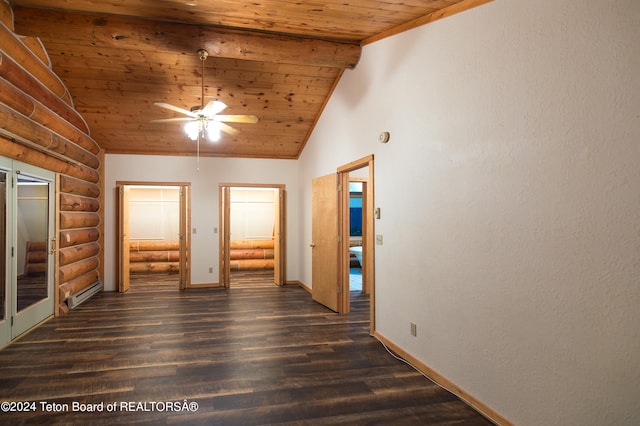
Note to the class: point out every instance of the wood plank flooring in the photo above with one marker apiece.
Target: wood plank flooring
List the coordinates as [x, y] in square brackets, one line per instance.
[253, 354]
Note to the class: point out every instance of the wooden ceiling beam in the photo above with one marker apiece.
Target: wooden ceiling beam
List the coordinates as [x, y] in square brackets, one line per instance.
[96, 31]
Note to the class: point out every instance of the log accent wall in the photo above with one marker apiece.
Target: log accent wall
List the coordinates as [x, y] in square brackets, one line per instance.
[40, 126]
[251, 254]
[154, 256]
[36, 258]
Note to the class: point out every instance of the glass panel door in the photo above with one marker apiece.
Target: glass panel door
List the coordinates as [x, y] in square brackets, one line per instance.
[5, 323]
[33, 214]
[31, 285]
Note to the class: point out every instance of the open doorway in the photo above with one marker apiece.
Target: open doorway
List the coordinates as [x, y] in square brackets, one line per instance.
[252, 234]
[356, 215]
[331, 256]
[153, 220]
[357, 199]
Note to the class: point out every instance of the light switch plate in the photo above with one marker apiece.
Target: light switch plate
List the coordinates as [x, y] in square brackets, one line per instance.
[379, 239]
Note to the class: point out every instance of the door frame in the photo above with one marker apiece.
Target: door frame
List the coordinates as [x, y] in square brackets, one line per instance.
[122, 238]
[368, 237]
[224, 197]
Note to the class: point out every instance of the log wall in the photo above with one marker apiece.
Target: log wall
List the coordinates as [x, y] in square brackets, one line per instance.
[154, 256]
[251, 254]
[36, 258]
[40, 126]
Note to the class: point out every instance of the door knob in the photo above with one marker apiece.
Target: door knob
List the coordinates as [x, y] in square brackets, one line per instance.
[312, 245]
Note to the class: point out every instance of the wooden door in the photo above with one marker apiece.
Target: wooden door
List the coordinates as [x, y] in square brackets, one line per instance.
[185, 236]
[123, 238]
[278, 237]
[325, 269]
[225, 235]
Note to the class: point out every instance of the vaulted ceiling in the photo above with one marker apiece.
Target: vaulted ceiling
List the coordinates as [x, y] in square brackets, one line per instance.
[275, 59]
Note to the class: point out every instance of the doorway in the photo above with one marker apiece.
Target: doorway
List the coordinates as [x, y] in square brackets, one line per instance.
[27, 231]
[331, 256]
[357, 233]
[252, 236]
[153, 237]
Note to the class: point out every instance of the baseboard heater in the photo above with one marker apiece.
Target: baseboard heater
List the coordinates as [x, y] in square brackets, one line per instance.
[84, 295]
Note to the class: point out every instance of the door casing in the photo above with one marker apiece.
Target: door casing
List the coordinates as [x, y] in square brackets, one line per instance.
[122, 226]
[368, 239]
[224, 195]
[340, 221]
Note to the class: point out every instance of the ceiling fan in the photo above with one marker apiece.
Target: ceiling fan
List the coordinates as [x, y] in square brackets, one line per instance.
[205, 119]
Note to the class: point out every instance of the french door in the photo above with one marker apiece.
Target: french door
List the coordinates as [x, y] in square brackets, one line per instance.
[27, 232]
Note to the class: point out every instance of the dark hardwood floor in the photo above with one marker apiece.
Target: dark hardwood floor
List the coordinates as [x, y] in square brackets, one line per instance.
[253, 354]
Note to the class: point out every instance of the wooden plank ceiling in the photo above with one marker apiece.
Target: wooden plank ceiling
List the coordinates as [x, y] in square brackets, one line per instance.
[276, 59]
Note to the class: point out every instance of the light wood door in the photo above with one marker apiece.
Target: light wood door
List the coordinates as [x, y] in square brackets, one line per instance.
[278, 237]
[185, 236]
[123, 238]
[325, 245]
[225, 235]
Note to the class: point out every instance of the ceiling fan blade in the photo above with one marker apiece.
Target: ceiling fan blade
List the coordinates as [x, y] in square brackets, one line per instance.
[170, 120]
[237, 118]
[212, 108]
[175, 108]
[228, 129]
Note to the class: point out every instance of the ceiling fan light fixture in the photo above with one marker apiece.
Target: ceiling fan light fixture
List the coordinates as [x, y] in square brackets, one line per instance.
[213, 131]
[203, 120]
[192, 128]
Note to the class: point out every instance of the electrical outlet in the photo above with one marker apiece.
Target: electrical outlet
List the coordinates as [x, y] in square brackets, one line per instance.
[211, 270]
[413, 329]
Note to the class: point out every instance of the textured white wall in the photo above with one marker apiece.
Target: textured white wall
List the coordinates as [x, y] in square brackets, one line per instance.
[252, 213]
[154, 214]
[510, 196]
[204, 204]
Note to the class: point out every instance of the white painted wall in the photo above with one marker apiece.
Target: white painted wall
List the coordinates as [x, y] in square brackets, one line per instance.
[204, 207]
[154, 214]
[510, 197]
[252, 213]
